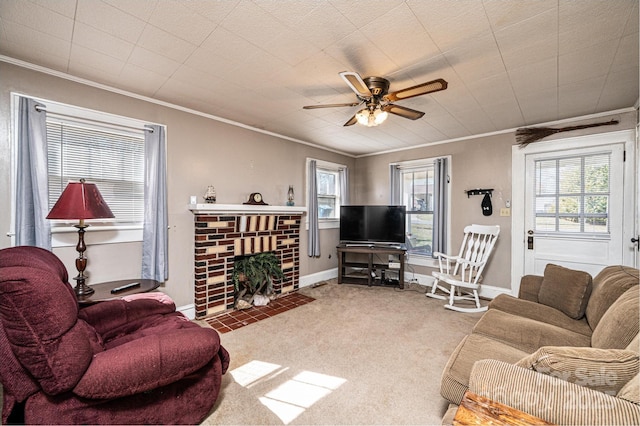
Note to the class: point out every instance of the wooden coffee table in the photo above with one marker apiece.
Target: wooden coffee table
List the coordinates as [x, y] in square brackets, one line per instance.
[475, 410]
[103, 291]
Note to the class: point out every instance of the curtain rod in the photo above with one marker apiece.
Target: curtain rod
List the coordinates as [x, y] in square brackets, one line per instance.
[146, 128]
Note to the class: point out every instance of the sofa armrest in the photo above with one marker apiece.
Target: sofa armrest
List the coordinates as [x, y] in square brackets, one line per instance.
[530, 287]
[547, 397]
[148, 363]
[112, 314]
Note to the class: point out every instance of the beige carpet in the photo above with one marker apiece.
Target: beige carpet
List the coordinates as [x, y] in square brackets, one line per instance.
[355, 355]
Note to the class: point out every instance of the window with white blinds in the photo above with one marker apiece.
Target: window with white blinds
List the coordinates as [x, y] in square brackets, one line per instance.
[572, 194]
[109, 156]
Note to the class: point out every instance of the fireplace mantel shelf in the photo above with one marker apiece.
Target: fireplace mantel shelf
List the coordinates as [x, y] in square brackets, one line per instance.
[245, 209]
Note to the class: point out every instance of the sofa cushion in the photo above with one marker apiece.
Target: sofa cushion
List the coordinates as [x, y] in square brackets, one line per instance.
[604, 370]
[474, 347]
[608, 285]
[565, 289]
[620, 324]
[524, 333]
[538, 312]
[631, 390]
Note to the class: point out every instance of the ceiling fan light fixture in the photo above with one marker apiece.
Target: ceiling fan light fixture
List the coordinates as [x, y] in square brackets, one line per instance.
[379, 116]
[363, 116]
[371, 117]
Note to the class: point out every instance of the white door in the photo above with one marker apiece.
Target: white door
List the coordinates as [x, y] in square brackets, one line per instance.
[575, 207]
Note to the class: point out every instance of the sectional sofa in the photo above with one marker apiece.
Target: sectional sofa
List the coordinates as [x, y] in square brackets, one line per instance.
[566, 350]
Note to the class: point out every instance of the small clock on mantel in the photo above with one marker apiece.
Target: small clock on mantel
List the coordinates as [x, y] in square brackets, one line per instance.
[255, 198]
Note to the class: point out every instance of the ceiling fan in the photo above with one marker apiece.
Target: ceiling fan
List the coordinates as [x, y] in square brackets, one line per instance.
[373, 92]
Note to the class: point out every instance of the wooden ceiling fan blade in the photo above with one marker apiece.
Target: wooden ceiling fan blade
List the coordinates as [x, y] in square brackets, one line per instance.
[353, 120]
[418, 90]
[349, 104]
[405, 112]
[355, 82]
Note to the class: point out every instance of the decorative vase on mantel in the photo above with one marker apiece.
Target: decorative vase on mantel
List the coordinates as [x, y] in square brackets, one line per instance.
[210, 195]
[290, 196]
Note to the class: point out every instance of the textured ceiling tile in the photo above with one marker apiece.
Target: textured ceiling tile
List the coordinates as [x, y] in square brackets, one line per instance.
[141, 80]
[182, 22]
[530, 40]
[325, 26]
[358, 54]
[534, 77]
[85, 59]
[434, 12]
[110, 20]
[597, 21]
[94, 39]
[150, 61]
[361, 13]
[504, 14]
[620, 90]
[626, 54]
[266, 59]
[63, 7]
[32, 42]
[139, 9]
[539, 107]
[248, 21]
[163, 43]
[37, 17]
[408, 43]
[505, 113]
[580, 98]
[587, 63]
[287, 47]
[43, 57]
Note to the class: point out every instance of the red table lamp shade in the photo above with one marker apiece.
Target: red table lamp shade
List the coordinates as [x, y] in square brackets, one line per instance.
[80, 200]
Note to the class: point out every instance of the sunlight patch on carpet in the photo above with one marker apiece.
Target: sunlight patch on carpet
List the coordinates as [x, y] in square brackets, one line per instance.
[291, 398]
[253, 371]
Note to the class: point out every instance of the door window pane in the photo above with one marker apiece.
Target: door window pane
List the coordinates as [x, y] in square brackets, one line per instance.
[572, 194]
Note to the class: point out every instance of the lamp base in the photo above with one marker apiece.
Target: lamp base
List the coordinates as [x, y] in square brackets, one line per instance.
[81, 289]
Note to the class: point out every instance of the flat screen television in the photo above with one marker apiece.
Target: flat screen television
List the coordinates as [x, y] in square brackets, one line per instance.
[372, 224]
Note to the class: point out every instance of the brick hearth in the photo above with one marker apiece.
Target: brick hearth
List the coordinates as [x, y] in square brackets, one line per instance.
[222, 236]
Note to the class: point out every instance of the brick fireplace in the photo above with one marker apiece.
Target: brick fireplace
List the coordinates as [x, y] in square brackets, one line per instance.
[223, 232]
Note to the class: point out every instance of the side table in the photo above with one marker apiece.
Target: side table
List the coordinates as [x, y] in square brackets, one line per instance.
[103, 290]
[475, 410]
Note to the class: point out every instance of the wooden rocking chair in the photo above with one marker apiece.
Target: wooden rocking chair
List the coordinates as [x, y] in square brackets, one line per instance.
[462, 273]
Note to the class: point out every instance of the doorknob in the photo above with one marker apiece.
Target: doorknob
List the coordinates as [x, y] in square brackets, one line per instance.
[530, 240]
[635, 241]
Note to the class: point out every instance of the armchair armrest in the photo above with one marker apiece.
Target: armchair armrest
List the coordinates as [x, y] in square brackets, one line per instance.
[530, 287]
[111, 314]
[148, 363]
[547, 397]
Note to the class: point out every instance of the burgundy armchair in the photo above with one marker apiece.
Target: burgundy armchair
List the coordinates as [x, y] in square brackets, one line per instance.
[125, 361]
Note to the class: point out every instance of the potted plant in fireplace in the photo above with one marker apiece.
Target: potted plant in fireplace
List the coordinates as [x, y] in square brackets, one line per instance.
[253, 276]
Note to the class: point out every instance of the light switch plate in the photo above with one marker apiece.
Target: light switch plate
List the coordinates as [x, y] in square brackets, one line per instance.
[505, 212]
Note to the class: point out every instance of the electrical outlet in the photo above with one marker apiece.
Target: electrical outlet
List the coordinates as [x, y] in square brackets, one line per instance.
[505, 212]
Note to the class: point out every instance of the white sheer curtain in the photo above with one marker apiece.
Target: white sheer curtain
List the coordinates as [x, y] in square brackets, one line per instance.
[395, 196]
[313, 249]
[32, 188]
[345, 198]
[155, 261]
[440, 182]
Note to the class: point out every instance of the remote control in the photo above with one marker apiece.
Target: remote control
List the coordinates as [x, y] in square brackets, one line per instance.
[124, 287]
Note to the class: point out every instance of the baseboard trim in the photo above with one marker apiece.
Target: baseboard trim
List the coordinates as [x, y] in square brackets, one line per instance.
[311, 279]
[188, 310]
[486, 291]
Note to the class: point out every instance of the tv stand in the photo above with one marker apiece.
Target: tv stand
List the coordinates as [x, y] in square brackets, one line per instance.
[373, 261]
